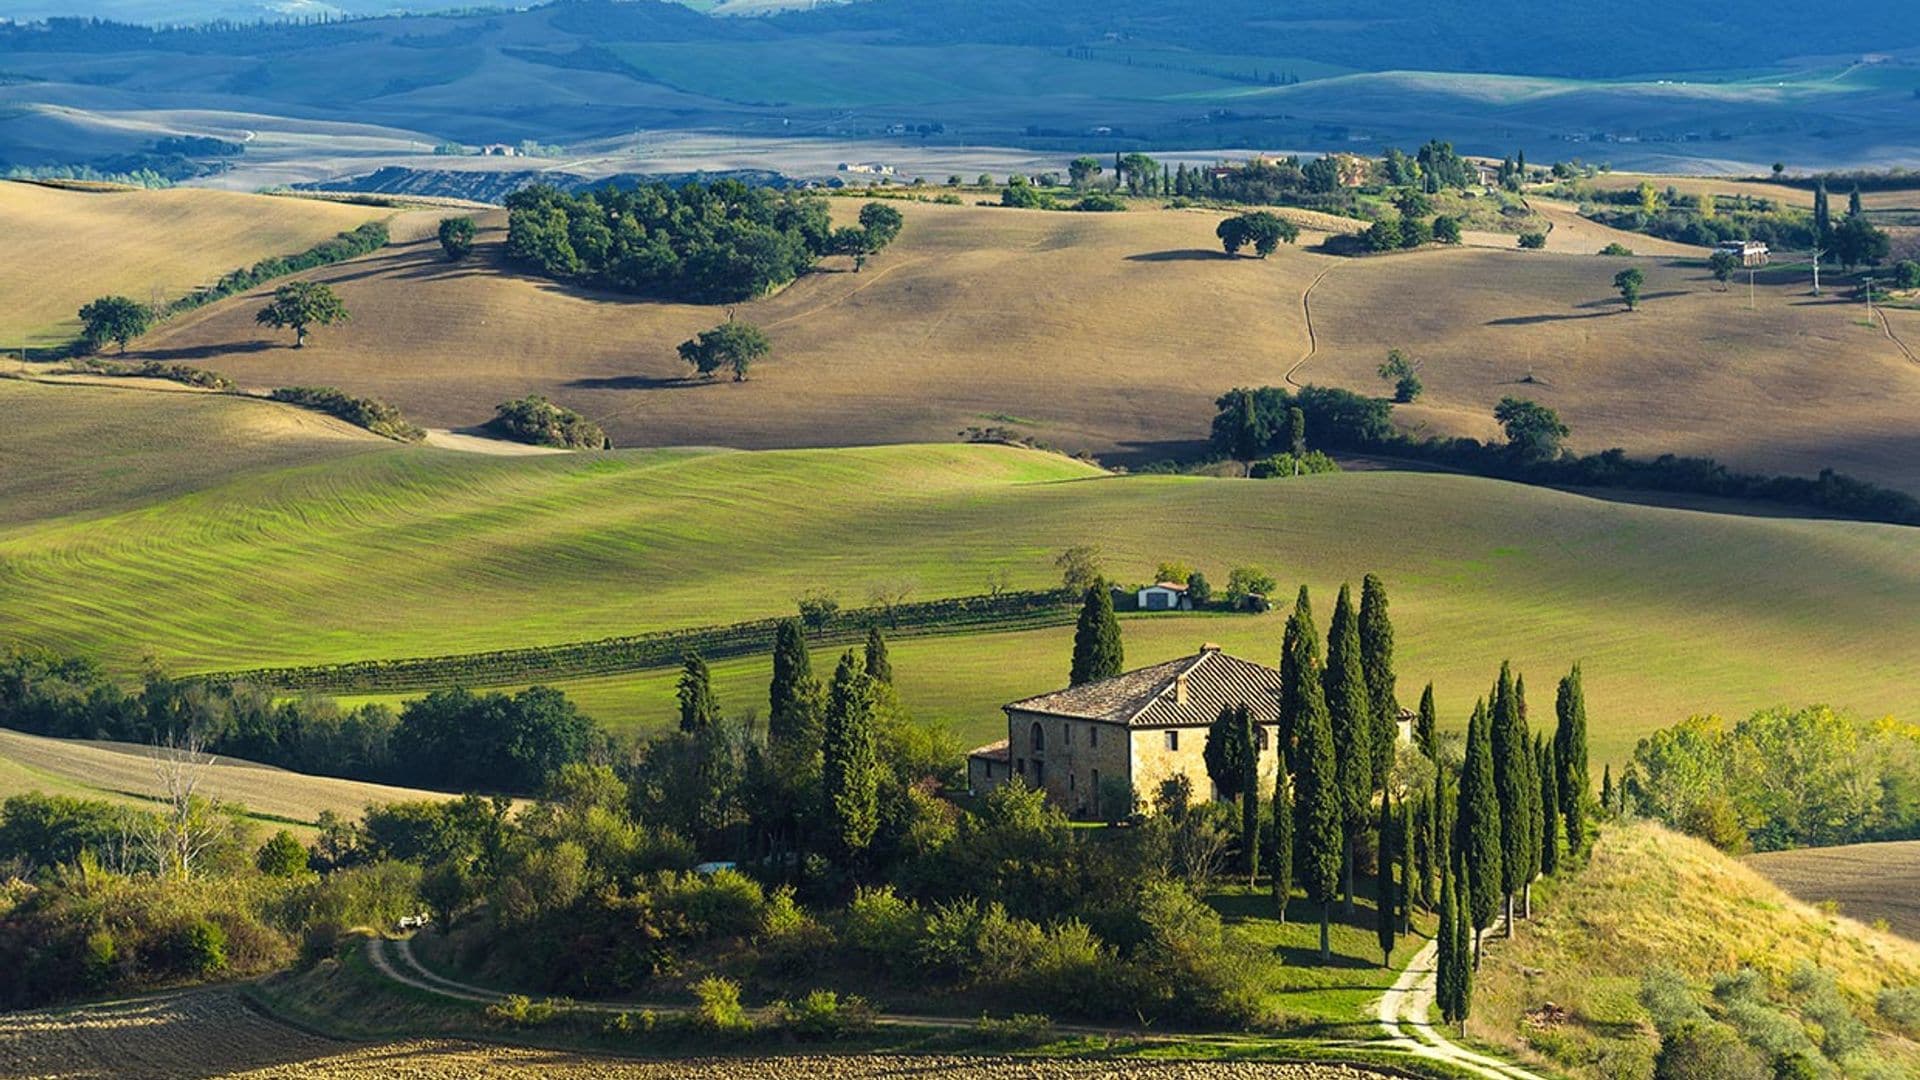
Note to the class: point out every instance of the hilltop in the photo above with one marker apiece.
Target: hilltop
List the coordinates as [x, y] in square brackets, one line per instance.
[1114, 333]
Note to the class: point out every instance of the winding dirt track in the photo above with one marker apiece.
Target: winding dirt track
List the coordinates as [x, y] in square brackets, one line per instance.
[1404, 1010]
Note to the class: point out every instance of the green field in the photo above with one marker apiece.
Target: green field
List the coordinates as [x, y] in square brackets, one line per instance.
[406, 551]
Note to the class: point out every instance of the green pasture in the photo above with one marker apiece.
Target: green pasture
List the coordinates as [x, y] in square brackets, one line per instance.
[405, 551]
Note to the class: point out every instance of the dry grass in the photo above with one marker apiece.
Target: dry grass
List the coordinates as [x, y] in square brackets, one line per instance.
[124, 772]
[65, 247]
[1895, 199]
[1869, 882]
[1113, 333]
[1651, 899]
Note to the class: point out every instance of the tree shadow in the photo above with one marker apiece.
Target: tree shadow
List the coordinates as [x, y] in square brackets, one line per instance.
[203, 352]
[1180, 255]
[642, 382]
[1535, 320]
[1617, 304]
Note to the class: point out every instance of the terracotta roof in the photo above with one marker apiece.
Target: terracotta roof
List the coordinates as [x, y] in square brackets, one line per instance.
[993, 751]
[1150, 696]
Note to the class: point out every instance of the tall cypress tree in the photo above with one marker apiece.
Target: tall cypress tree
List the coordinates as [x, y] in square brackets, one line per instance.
[1376, 662]
[1426, 733]
[1249, 792]
[1225, 752]
[1281, 857]
[1477, 829]
[1510, 751]
[1853, 202]
[1549, 807]
[1319, 810]
[1462, 970]
[1097, 653]
[1409, 887]
[699, 708]
[879, 666]
[1299, 664]
[1606, 788]
[1386, 923]
[1570, 753]
[793, 697]
[1346, 693]
[1448, 960]
[849, 768]
[1822, 216]
[1530, 795]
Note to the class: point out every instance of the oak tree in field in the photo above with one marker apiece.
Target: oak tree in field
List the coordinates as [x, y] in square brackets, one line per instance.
[1345, 685]
[699, 707]
[850, 769]
[298, 305]
[737, 345]
[1533, 430]
[118, 319]
[1627, 283]
[456, 237]
[881, 223]
[1533, 241]
[1446, 230]
[1097, 651]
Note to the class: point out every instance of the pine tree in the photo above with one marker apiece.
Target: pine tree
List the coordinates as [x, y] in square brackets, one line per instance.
[1320, 811]
[699, 708]
[1299, 664]
[1281, 857]
[1409, 889]
[793, 697]
[1510, 750]
[850, 770]
[1346, 692]
[1549, 808]
[1376, 662]
[1426, 729]
[879, 667]
[1097, 653]
[1386, 924]
[1478, 829]
[1570, 754]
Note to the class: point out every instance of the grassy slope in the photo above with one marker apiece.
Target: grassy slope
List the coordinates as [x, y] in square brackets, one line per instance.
[1654, 898]
[1866, 881]
[67, 247]
[411, 551]
[124, 773]
[1114, 333]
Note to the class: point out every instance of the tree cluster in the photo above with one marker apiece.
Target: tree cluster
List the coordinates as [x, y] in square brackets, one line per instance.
[534, 419]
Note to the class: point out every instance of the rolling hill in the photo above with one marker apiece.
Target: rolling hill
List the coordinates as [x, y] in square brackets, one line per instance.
[407, 551]
[67, 246]
[1114, 333]
[1868, 882]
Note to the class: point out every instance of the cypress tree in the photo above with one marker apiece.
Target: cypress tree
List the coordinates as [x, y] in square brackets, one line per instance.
[1097, 653]
[1408, 887]
[1463, 971]
[1296, 432]
[1477, 829]
[1376, 663]
[1822, 216]
[1225, 753]
[1570, 753]
[1426, 729]
[1299, 664]
[1346, 693]
[1530, 794]
[1246, 441]
[1448, 960]
[1510, 752]
[879, 667]
[1549, 807]
[1853, 202]
[699, 708]
[1282, 854]
[1320, 811]
[1423, 851]
[793, 695]
[850, 769]
[1386, 923]
[1606, 789]
[1249, 792]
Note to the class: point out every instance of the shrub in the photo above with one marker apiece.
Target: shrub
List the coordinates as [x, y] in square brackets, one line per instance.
[719, 1007]
[882, 925]
[1616, 248]
[371, 413]
[516, 1010]
[1280, 465]
[1072, 969]
[200, 948]
[1841, 1032]
[1020, 1029]
[1701, 1050]
[185, 374]
[282, 856]
[949, 944]
[792, 941]
[1533, 241]
[456, 237]
[1900, 1005]
[725, 903]
[1100, 202]
[823, 1015]
[534, 419]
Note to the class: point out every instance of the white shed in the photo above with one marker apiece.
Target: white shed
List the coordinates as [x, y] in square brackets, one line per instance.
[1164, 596]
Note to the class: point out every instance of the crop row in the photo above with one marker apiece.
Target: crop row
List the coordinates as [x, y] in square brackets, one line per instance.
[664, 648]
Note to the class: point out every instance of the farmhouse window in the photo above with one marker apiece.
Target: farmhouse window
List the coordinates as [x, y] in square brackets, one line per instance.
[1039, 739]
[1093, 735]
[1173, 740]
[1039, 773]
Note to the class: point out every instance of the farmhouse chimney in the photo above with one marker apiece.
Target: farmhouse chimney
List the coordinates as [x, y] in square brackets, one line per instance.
[1180, 689]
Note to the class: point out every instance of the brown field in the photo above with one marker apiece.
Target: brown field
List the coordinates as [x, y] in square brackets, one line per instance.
[1896, 199]
[67, 449]
[65, 247]
[124, 773]
[1869, 882]
[1113, 333]
[216, 1033]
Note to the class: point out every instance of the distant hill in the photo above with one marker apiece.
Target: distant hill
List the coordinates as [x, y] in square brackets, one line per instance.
[494, 186]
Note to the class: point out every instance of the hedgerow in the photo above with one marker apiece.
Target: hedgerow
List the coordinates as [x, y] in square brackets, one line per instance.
[371, 413]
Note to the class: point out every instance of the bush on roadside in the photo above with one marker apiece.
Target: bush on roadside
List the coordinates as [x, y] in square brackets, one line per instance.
[719, 1008]
[534, 419]
[823, 1014]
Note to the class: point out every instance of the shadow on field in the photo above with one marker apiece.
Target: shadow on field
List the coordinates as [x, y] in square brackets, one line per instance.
[203, 352]
[1180, 255]
[1614, 301]
[1535, 320]
[641, 382]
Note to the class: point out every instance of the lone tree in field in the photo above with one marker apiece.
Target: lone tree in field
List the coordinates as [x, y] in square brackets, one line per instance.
[1723, 264]
[1570, 758]
[1097, 652]
[1264, 230]
[300, 304]
[699, 707]
[849, 768]
[1533, 430]
[118, 319]
[1345, 685]
[456, 237]
[1627, 283]
[1478, 829]
[1402, 371]
[737, 345]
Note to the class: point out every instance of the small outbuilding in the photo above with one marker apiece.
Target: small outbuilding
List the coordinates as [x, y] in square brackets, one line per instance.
[1164, 596]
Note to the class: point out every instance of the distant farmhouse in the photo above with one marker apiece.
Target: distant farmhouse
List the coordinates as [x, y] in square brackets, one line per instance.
[1097, 747]
[1749, 252]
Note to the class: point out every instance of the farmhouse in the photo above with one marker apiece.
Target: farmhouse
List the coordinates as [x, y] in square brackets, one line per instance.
[1164, 596]
[1094, 748]
[1749, 252]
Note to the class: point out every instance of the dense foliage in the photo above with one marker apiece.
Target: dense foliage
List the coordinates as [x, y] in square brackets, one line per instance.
[534, 419]
[707, 244]
[371, 413]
